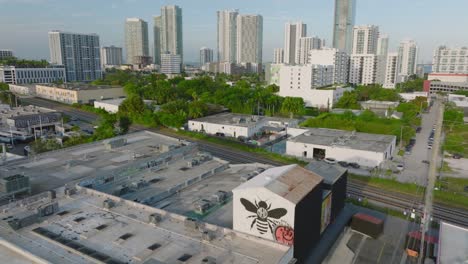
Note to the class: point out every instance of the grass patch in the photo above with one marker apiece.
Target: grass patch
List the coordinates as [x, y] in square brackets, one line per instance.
[401, 152]
[389, 184]
[445, 167]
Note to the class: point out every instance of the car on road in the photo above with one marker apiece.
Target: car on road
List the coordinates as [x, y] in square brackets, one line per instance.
[400, 167]
[343, 164]
[425, 161]
[73, 118]
[457, 156]
[354, 165]
[330, 160]
[429, 146]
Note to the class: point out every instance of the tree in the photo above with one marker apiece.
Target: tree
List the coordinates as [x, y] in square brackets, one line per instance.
[124, 124]
[133, 105]
[4, 86]
[293, 106]
[348, 101]
[197, 109]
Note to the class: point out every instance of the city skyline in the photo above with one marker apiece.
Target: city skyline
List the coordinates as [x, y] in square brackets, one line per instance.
[200, 22]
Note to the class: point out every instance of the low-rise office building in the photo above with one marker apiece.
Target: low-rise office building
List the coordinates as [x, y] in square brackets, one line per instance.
[369, 150]
[80, 93]
[17, 75]
[239, 125]
[24, 122]
[412, 96]
[444, 87]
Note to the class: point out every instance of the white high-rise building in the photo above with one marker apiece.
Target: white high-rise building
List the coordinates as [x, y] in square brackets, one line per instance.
[447, 60]
[249, 39]
[307, 44]
[157, 40]
[171, 63]
[345, 13]
[391, 70]
[79, 53]
[365, 39]
[206, 55]
[136, 40]
[363, 69]
[382, 52]
[170, 31]
[227, 35]
[278, 56]
[292, 34]
[305, 81]
[111, 56]
[331, 56]
[382, 45]
[5, 54]
[407, 57]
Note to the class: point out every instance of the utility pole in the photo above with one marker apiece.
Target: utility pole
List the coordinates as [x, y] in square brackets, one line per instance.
[428, 199]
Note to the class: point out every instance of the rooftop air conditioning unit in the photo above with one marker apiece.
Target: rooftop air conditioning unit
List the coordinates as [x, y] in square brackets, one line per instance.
[154, 218]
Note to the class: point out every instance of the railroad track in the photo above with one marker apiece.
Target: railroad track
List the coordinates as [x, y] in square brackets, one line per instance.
[407, 203]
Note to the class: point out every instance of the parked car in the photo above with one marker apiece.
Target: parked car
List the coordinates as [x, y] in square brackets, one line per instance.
[457, 156]
[418, 129]
[330, 160]
[343, 164]
[425, 161]
[354, 165]
[9, 146]
[429, 146]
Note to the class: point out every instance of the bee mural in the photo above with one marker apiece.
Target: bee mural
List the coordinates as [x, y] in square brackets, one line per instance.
[263, 214]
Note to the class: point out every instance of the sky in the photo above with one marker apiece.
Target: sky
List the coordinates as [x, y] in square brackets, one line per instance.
[24, 23]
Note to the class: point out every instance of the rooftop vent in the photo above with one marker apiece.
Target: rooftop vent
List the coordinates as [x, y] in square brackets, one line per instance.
[126, 236]
[101, 227]
[184, 257]
[154, 246]
[154, 218]
[209, 260]
[108, 204]
[208, 235]
[79, 219]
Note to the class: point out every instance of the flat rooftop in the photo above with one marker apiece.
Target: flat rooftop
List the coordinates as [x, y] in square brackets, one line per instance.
[57, 168]
[344, 139]
[179, 188]
[83, 231]
[329, 173]
[242, 120]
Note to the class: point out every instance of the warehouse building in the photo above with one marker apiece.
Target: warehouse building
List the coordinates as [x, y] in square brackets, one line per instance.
[369, 150]
[72, 93]
[239, 125]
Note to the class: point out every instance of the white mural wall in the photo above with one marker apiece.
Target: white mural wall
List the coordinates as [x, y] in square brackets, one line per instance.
[262, 213]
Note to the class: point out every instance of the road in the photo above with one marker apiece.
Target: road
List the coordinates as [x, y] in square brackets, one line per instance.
[429, 195]
[68, 110]
[443, 212]
[415, 171]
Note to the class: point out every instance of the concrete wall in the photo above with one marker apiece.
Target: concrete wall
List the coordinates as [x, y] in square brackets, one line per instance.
[23, 90]
[84, 96]
[110, 108]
